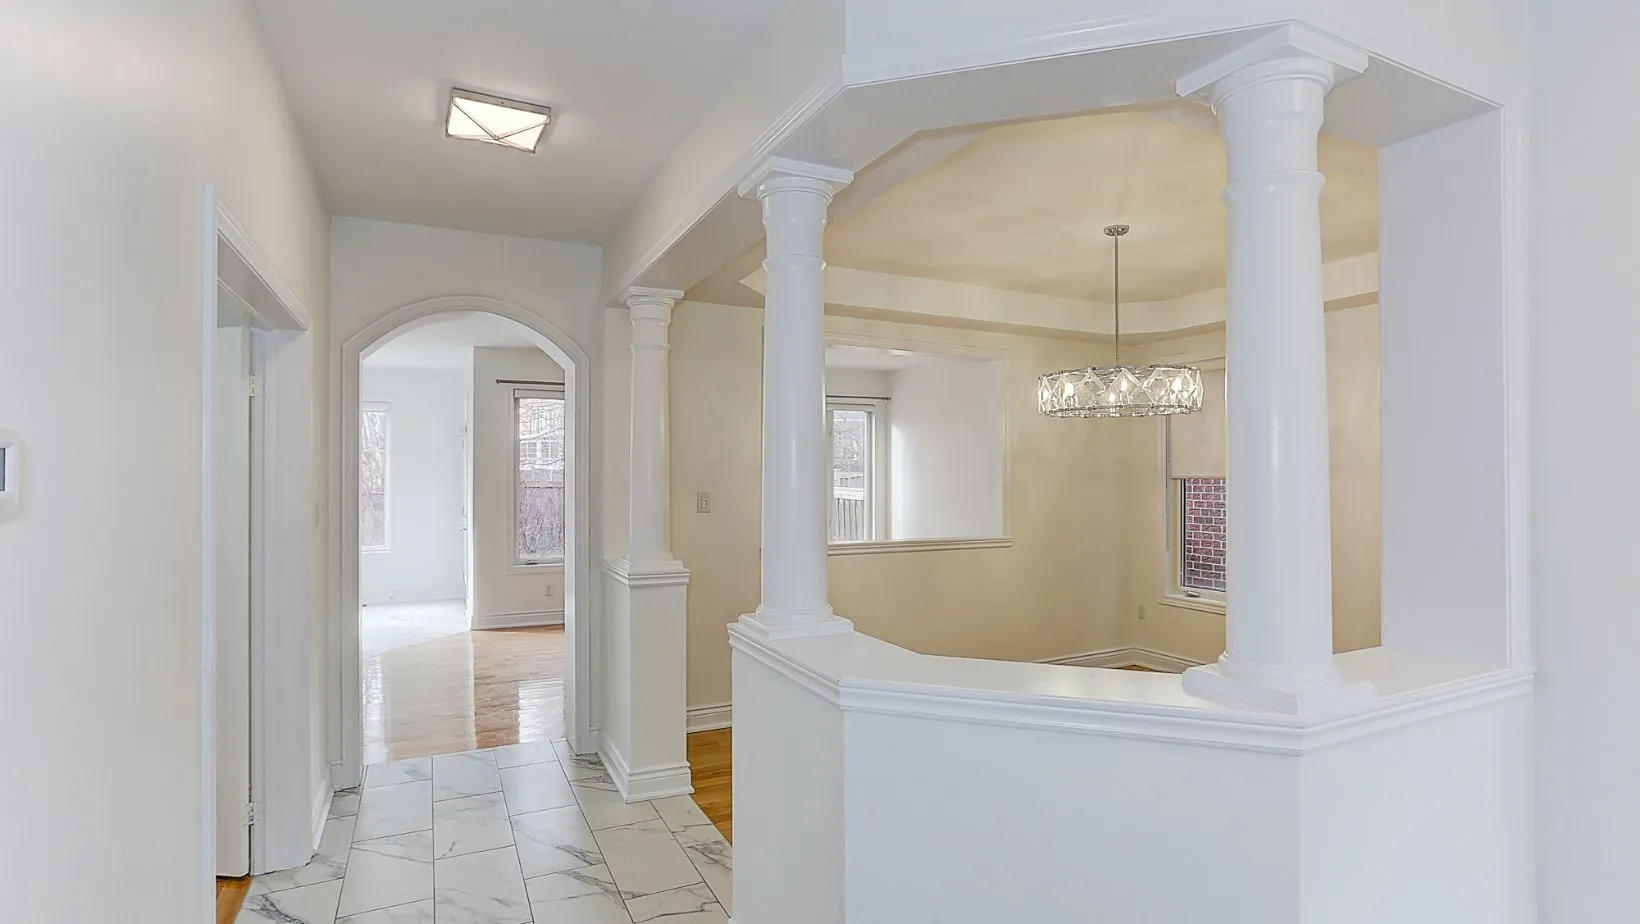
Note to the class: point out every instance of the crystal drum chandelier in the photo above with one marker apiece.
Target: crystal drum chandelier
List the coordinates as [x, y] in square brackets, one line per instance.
[1118, 390]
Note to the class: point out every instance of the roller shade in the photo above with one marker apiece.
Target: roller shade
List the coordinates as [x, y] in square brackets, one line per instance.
[1196, 441]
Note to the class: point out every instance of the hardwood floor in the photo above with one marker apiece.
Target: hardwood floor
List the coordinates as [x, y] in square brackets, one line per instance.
[230, 895]
[710, 763]
[456, 690]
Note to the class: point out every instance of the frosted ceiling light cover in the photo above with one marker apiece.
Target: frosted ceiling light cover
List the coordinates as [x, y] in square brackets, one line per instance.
[1118, 390]
[493, 120]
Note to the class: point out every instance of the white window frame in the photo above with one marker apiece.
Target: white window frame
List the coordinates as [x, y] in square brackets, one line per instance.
[384, 409]
[876, 475]
[1173, 592]
[555, 392]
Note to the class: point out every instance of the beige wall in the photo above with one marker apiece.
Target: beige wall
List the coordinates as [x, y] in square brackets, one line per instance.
[499, 588]
[1196, 631]
[1053, 593]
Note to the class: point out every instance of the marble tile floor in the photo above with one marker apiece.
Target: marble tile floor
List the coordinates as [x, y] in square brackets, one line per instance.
[519, 834]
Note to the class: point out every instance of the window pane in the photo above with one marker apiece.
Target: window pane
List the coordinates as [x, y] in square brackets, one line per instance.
[1201, 519]
[373, 479]
[850, 481]
[540, 478]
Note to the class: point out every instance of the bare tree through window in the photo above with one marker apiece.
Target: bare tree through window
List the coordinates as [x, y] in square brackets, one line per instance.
[540, 469]
[851, 517]
[373, 478]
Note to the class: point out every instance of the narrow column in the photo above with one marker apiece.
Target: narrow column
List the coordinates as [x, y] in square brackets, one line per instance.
[794, 198]
[649, 516]
[1279, 647]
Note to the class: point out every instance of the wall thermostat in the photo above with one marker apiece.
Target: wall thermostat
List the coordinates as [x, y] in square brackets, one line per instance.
[11, 473]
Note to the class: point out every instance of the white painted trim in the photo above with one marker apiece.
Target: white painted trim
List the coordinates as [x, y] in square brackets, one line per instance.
[645, 783]
[280, 770]
[518, 620]
[890, 546]
[337, 772]
[580, 623]
[1127, 656]
[321, 812]
[709, 717]
[658, 575]
[1205, 726]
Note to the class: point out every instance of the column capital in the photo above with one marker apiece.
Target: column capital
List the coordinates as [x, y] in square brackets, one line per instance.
[779, 173]
[650, 304]
[1291, 51]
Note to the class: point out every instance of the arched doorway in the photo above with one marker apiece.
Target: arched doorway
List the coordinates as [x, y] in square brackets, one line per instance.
[579, 585]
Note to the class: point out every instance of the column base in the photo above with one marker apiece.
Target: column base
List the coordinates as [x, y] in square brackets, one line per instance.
[777, 628]
[1212, 682]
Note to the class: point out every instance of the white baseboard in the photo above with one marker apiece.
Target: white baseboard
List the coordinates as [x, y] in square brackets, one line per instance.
[709, 718]
[519, 620]
[321, 812]
[645, 783]
[1127, 656]
[338, 777]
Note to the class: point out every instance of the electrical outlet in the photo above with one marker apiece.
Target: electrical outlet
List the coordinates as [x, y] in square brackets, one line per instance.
[703, 502]
[550, 590]
[1141, 612]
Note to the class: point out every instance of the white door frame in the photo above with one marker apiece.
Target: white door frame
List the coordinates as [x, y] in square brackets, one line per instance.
[290, 812]
[580, 589]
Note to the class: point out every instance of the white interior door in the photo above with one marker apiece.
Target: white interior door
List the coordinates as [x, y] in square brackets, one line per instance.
[232, 542]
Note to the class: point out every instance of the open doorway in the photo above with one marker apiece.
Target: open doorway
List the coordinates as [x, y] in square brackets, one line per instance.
[258, 807]
[464, 472]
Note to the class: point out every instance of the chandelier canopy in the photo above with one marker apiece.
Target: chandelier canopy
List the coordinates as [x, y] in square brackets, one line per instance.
[1118, 390]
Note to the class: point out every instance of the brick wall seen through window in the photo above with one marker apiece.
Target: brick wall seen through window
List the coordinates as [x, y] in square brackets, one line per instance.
[1201, 520]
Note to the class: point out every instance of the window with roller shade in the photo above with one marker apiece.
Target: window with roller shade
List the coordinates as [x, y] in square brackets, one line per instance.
[1196, 495]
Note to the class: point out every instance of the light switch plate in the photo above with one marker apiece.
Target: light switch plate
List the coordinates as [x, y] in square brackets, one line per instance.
[703, 502]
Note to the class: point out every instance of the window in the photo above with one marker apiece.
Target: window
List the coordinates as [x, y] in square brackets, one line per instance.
[1196, 495]
[538, 497]
[854, 476]
[373, 478]
[917, 448]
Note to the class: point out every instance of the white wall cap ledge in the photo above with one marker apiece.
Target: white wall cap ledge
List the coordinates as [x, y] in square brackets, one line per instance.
[862, 674]
[777, 168]
[892, 546]
[1290, 41]
[646, 574]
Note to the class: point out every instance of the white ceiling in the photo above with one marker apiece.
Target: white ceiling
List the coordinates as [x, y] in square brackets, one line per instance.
[447, 343]
[369, 83]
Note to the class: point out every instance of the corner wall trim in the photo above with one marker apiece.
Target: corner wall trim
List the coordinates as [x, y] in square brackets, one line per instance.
[709, 717]
[644, 783]
[518, 620]
[321, 812]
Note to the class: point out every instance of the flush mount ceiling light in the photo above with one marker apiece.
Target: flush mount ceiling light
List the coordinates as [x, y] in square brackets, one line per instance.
[493, 120]
[1118, 390]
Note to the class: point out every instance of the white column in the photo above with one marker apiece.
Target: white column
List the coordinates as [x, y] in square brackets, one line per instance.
[1279, 649]
[649, 516]
[794, 198]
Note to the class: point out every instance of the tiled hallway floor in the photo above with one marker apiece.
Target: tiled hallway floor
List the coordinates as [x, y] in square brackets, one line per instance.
[518, 834]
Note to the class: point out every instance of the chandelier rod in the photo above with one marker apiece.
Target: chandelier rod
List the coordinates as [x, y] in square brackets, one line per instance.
[1115, 232]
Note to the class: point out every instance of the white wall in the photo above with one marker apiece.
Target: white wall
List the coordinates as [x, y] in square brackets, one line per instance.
[949, 449]
[103, 244]
[427, 409]
[1583, 331]
[501, 590]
